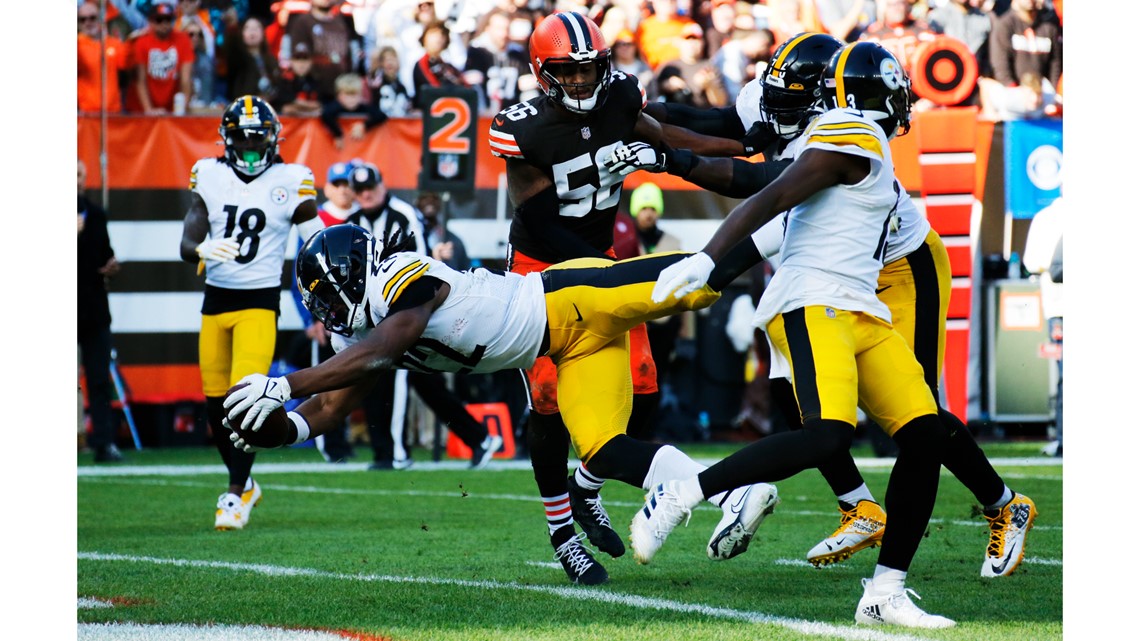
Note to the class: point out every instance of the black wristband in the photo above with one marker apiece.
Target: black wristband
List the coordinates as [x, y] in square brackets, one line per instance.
[680, 162]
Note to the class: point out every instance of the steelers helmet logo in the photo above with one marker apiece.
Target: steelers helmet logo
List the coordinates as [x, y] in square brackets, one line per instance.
[890, 73]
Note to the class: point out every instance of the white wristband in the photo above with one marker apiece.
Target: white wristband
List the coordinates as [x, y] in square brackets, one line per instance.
[302, 426]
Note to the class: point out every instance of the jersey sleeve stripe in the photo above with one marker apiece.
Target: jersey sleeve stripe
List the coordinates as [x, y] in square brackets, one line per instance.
[403, 272]
[504, 137]
[408, 279]
[501, 150]
[863, 141]
[303, 192]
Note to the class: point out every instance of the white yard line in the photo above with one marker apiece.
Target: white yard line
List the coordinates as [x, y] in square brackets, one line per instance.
[802, 626]
[493, 466]
[313, 489]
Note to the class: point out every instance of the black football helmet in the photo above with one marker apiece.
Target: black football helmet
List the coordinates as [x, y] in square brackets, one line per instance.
[867, 77]
[249, 130]
[332, 272]
[790, 84]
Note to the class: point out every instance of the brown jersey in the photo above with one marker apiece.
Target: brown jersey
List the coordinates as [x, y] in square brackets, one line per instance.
[570, 149]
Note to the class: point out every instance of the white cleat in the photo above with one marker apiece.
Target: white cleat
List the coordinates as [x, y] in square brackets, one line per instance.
[655, 520]
[229, 513]
[895, 609]
[744, 511]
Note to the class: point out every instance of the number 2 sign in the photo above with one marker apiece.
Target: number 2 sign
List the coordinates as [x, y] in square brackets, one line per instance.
[450, 123]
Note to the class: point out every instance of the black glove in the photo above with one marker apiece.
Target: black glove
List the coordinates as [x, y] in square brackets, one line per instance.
[757, 138]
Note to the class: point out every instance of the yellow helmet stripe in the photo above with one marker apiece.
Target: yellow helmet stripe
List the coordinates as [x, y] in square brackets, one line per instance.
[840, 91]
[788, 49]
[248, 106]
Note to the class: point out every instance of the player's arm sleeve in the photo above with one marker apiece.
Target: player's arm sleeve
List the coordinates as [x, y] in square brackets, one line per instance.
[732, 177]
[738, 260]
[718, 121]
[539, 215]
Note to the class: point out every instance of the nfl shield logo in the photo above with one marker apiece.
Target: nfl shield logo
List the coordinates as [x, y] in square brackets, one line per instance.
[585, 133]
[448, 165]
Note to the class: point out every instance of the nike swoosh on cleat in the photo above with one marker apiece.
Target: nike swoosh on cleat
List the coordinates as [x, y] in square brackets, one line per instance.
[736, 507]
[998, 569]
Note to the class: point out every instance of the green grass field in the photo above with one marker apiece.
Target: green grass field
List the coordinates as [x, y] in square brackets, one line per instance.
[458, 555]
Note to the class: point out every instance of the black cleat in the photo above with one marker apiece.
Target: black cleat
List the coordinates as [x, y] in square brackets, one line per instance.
[586, 506]
[580, 566]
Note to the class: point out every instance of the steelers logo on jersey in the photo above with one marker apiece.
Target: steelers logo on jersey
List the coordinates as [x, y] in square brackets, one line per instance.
[279, 195]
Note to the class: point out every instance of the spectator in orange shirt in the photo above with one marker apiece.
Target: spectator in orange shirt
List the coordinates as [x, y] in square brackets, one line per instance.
[163, 60]
[659, 35]
[89, 81]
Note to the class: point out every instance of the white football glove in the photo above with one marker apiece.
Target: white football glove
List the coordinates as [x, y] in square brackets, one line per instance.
[240, 444]
[222, 250]
[636, 155]
[683, 277]
[260, 398]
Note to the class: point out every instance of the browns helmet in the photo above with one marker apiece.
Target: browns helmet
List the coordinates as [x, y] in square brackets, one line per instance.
[568, 45]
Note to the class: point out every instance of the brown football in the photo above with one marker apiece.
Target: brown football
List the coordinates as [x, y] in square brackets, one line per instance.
[274, 432]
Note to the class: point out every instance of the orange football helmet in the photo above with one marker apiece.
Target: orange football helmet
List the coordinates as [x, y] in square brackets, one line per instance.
[571, 60]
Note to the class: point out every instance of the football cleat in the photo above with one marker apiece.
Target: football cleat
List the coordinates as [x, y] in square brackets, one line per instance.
[895, 609]
[482, 454]
[576, 560]
[1008, 527]
[250, 499]
[860, 528]
[744, 511]
[652, 524]
[586, 506]
[229, 513]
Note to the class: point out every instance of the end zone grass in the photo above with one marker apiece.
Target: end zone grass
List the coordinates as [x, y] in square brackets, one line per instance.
[460, 555]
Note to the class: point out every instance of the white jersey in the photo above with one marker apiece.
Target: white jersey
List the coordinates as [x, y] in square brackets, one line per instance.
[258, 215]
[834, 243]
[491, 321]
[908, 232]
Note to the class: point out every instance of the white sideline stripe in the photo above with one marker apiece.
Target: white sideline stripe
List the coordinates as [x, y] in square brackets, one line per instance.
[187, 632]
[493, 466]
[578, 593]
[312, 489]
[90, 603]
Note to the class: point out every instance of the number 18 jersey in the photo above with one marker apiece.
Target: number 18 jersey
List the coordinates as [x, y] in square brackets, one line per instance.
[257, 214]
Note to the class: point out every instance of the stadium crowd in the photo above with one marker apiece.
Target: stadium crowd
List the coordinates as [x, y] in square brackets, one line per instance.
[194, 56]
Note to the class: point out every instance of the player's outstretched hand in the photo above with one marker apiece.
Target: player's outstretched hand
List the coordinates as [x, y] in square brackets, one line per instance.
[636, 155]
[239, 442]
[683, 277]
[260, 396]
[222, 250]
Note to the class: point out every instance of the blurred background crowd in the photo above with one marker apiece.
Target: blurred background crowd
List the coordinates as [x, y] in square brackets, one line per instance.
[370, 57]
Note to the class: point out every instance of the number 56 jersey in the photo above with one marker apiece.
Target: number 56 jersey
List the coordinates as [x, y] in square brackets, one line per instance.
[570, 149]
[257, 214]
